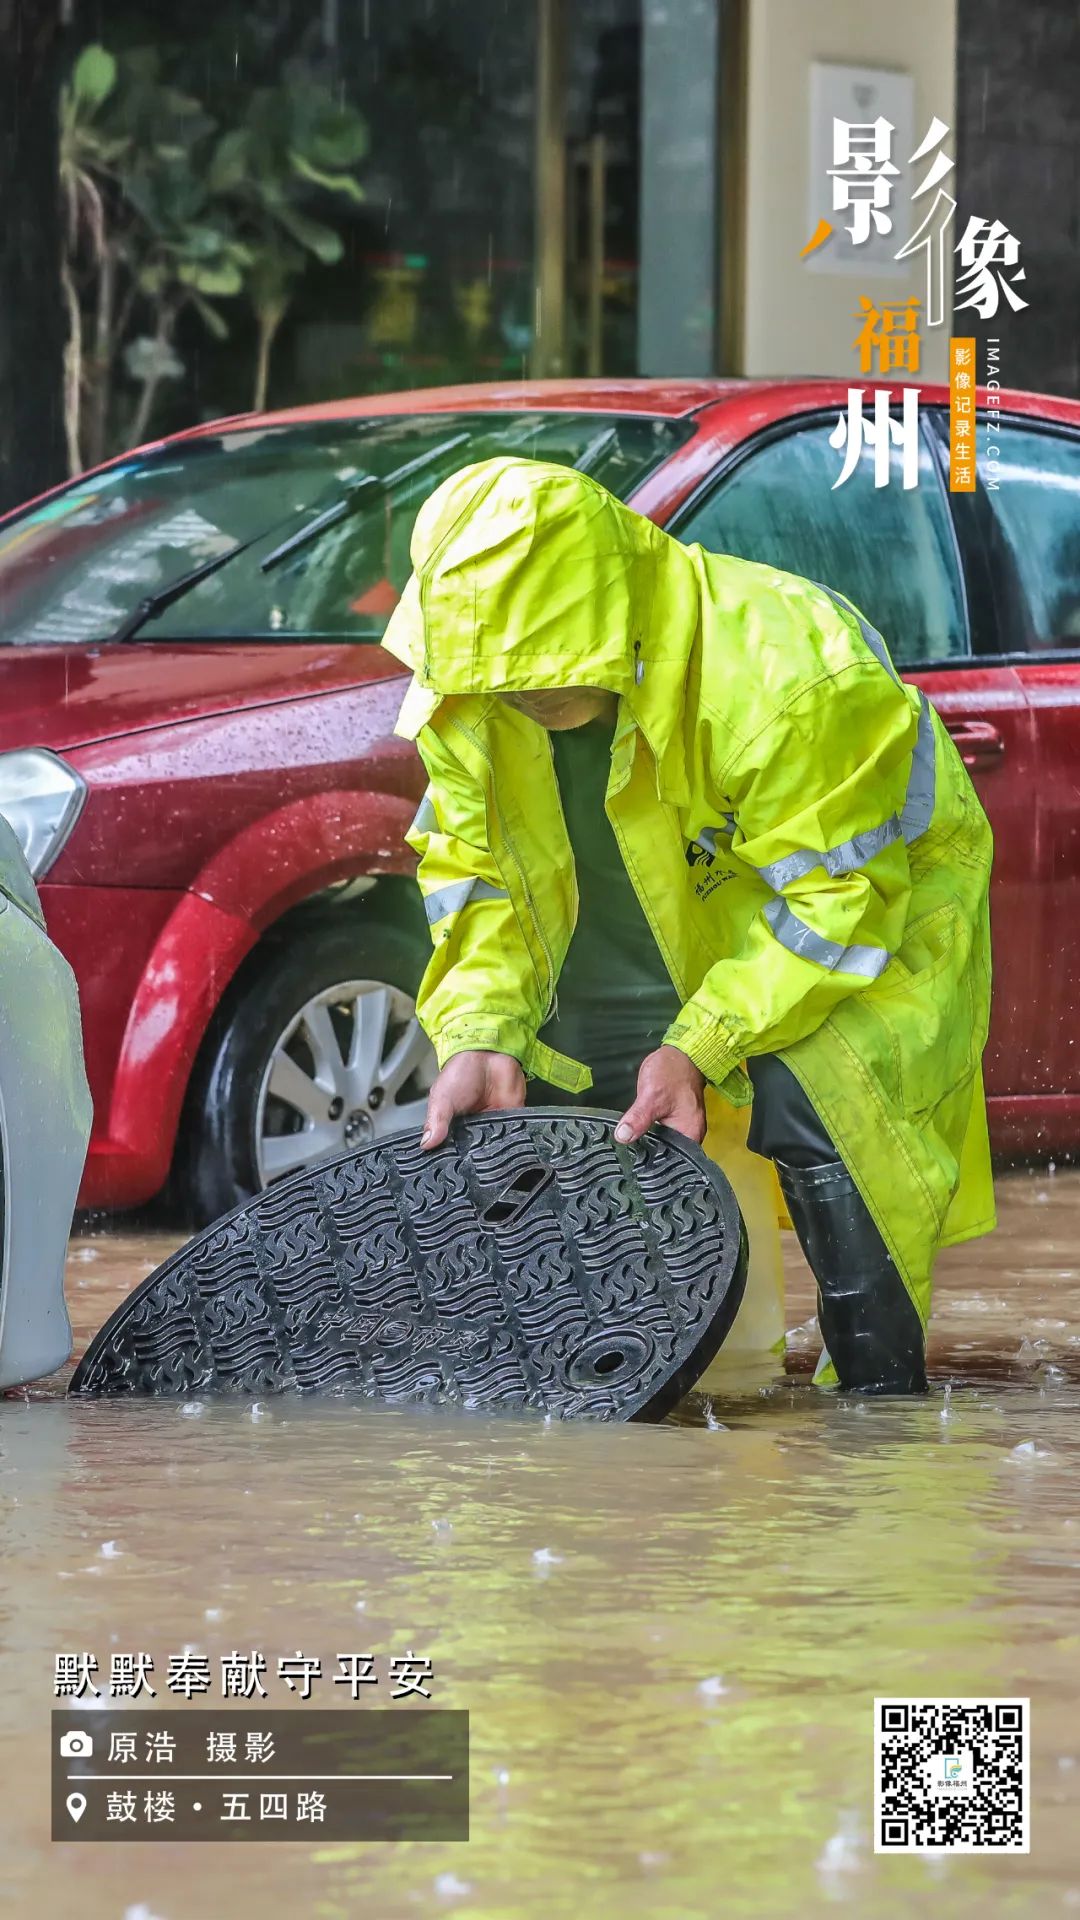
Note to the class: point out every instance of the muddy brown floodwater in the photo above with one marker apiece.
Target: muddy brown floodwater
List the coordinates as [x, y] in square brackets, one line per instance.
[669, 1638]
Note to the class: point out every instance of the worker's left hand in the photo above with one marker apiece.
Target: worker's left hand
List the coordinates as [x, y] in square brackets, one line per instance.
[669, 1088]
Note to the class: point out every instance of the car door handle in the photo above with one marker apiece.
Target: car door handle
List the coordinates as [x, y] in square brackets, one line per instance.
[980, 743]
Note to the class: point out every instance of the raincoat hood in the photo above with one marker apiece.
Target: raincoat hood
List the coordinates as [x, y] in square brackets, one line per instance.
[529, 575]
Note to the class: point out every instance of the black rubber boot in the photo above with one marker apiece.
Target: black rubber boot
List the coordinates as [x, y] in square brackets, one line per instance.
[867, 1317]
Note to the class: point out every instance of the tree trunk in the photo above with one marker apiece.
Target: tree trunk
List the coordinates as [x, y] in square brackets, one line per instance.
[33, 312]
[141, 418]
[101, 366]
[269, 320]
[73, 372]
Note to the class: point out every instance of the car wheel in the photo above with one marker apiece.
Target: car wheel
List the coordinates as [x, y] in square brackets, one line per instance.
[316, 1050]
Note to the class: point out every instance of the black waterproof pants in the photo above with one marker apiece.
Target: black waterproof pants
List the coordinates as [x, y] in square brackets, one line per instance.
[867, 1317]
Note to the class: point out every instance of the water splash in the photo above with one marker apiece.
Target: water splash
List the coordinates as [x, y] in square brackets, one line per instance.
[544, 1557]
[714, 1688]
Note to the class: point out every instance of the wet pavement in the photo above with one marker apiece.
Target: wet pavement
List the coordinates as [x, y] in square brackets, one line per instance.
[669, 1638]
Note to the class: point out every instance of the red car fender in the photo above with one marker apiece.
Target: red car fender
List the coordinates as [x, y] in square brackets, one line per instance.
[193, 960]
[269, 866]
[283, 857]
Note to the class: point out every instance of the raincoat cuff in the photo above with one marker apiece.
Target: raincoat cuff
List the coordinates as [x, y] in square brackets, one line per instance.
[710, 1045]
[503, 1033]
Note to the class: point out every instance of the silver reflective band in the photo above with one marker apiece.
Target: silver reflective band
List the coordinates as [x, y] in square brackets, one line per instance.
[851, 853]
[798, 938]
[915, 817]
[458, 894]
[913, 820]
[870, 634]
[919, 800]
[424, 820]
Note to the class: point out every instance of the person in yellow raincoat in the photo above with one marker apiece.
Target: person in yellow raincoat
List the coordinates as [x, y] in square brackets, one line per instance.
[788, 820]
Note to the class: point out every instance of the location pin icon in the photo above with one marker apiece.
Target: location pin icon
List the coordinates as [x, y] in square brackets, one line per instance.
[76, 1805]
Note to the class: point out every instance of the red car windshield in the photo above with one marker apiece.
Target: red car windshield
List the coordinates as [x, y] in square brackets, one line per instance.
[73, 569]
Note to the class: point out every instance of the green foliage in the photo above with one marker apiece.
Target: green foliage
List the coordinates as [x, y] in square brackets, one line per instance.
[186, 211]
[93, 77]
[292, 139]
[332, 182]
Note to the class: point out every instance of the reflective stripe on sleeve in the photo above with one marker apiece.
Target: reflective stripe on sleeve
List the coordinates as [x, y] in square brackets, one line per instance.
[919, 800]
[798, 938]
[424, 820]
[870, 634]
[913, 820]
[458, 894]
[842, 859]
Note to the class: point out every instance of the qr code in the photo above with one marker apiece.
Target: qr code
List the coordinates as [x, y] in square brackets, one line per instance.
[951, 1776]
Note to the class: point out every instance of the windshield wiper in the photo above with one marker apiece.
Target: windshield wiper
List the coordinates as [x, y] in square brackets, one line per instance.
[369, 488]
[156, 603]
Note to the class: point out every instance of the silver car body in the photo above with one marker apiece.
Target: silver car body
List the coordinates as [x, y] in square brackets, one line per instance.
[45, 1115]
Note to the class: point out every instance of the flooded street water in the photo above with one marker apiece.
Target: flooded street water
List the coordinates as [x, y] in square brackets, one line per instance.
[669, 1638]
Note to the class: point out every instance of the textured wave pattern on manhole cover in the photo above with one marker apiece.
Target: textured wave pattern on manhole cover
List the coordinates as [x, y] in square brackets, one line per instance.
[529, 1263]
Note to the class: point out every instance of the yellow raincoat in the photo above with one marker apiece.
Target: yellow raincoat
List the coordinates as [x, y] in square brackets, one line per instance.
[799, 828]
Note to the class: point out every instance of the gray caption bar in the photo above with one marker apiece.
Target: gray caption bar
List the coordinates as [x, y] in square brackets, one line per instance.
[244, 1774]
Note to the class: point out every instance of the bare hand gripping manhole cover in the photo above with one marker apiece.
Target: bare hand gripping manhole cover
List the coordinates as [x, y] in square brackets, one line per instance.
[528, 1263]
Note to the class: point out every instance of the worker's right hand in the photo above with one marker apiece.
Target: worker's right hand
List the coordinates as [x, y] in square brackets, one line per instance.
[476, 1082]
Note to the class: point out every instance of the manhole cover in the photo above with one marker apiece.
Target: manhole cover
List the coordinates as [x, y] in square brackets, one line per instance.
[528, 1263]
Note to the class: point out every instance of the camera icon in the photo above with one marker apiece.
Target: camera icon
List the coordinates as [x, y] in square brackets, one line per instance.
[76, 1746]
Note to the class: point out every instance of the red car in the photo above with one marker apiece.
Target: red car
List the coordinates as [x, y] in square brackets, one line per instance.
[196, 745]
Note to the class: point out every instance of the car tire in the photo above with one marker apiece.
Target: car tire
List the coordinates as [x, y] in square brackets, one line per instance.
[302, 1006]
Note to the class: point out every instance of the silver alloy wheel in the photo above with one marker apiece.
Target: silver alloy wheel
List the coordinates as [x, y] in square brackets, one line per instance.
[353, 1065]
